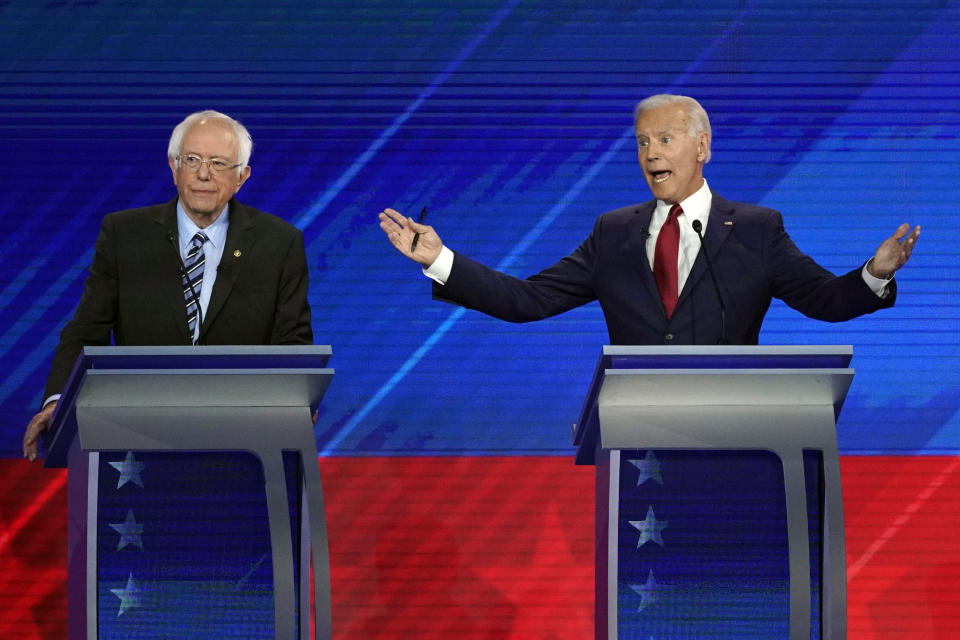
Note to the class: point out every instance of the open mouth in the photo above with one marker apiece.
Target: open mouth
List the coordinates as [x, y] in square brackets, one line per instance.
[660, 176]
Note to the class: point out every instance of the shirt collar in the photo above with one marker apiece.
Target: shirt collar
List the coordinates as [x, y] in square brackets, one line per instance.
[216, 233]
[695, 207]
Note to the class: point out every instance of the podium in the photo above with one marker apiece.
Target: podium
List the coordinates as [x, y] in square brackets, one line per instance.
[719, 511]
[195, 506]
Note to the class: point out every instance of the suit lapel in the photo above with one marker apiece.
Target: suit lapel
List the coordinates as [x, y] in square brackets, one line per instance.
[719, 225]
[633, 251]
[165, 245]
[241, 238]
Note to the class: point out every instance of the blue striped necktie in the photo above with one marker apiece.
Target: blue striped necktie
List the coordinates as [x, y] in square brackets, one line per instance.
[192, 280]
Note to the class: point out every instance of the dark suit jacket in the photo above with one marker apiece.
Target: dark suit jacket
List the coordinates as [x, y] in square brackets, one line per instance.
[754, 259]
[133, 291]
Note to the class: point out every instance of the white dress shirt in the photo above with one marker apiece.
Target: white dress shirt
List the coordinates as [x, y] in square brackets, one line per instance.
[695, 207]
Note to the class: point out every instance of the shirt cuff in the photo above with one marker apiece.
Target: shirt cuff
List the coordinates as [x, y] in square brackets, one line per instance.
[878, 285]
[54, 398]
[440, 270]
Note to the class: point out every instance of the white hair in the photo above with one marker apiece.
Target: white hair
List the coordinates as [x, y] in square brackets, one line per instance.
[244, 141]
[699, 121]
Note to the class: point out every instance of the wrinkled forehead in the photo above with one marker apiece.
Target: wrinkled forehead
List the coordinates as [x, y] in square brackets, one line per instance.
[668, 118]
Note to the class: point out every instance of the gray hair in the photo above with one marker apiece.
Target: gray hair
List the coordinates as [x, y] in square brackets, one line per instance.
[699, 121]
[244, 141]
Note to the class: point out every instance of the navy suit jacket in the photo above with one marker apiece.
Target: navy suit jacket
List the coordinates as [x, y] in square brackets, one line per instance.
[753, 257]
[133, 293]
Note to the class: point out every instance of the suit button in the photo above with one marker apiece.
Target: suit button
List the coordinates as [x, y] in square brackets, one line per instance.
[668, 337]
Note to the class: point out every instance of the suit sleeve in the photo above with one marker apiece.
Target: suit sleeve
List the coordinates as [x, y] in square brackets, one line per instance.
[561, 287]
[812, 290]
[291, 324]
[96, 314]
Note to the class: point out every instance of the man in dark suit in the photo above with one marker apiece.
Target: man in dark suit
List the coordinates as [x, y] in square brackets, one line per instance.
[644, 262]
[247, 281]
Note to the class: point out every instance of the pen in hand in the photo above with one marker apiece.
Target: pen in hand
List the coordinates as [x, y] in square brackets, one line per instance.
[416, 236]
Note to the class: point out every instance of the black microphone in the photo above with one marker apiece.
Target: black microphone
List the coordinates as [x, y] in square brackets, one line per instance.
[172, 239]
[698, 228]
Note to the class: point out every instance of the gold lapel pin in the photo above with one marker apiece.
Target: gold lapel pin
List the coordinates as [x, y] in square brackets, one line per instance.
[237, 254]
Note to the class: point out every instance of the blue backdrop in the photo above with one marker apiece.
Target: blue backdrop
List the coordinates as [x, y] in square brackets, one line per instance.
[511, 121]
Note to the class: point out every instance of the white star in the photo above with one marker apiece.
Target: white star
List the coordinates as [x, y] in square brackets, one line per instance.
[645, 591]
[649, 469]
[649, 528]
[129, 595]
[129, 470]
[129, 531]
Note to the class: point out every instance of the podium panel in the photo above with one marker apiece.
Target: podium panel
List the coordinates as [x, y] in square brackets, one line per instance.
[719, 509]
[702, 545]
[183, 546]
[194, 499]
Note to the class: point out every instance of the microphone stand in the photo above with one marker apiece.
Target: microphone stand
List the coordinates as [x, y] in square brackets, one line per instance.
[698, 228]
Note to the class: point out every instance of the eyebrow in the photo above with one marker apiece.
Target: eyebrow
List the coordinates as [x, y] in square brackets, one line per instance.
[658, 133]
[200, 155]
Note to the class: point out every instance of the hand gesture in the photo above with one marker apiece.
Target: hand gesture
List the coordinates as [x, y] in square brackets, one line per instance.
[894, 252]
[401, 231]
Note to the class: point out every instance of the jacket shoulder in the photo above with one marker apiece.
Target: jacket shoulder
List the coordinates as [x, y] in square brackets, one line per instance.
[623, 215]
[744, 209]
[141, 213]
[244, 214]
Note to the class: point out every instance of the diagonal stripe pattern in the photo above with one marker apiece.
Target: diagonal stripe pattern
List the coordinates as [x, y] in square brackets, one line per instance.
[192, 278]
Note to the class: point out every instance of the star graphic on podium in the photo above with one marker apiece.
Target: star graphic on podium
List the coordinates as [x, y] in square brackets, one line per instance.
[650, 528]
[129, 595]
[649, 469]
[646, 592]
[129, 531]
[129, 470]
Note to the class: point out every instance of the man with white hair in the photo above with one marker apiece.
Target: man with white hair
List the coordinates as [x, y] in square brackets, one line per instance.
[644, 262]
[200, 269]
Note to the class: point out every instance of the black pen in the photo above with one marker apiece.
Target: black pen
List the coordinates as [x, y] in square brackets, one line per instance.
[416, 236]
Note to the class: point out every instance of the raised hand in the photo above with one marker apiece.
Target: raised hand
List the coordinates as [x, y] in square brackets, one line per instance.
[401, 230]
[894, 252]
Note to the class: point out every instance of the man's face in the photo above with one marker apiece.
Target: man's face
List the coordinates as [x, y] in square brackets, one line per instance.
[203, 191]
[671, 161]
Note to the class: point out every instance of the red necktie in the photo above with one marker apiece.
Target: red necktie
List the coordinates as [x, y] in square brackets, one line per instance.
[665, 260]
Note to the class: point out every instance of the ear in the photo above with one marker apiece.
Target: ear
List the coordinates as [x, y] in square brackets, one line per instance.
[242, 178]
[173, 168]
[703, 143]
